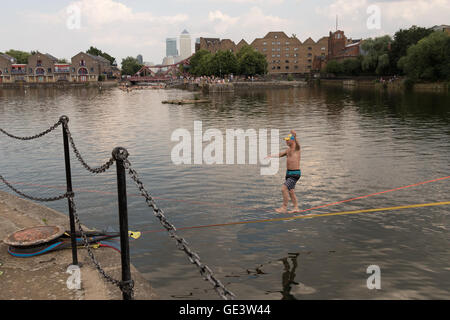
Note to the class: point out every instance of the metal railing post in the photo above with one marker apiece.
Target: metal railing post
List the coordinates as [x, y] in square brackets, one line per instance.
[73, 236]
[121, 154]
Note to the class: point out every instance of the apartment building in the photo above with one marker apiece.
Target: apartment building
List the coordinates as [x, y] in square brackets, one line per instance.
[6, 63]
[286, 54]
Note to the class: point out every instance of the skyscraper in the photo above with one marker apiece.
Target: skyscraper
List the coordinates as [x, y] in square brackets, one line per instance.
[140, 59]
[171, 47]
[185, 45]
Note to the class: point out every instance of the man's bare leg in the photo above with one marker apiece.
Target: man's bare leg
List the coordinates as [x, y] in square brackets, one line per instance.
[285, 192]
[294, 201]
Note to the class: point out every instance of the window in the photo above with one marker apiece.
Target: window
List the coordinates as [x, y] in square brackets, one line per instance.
[287, 67]
[287, 42]
[309, 48]
[309, 60]
[287, 54]
[273, 49]
[39, 63]
[30, 70]
[92, 69]
[287, 61]
[278, 67]
[295, 54]
[273, 68]
[274, 55]
[82, 63]
[73, 70]
[265, 49]
[278, 49]
[295, 49]
[264, 43]
[273, 43]
[49, 70]
[287, 48]
[295, 67]
[323, 48]
[309, 55]
[276, 37]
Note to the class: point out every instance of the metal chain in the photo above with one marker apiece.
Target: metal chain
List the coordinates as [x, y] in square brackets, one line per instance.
[194, 258]
[65, 195]
[35, 136]
[127, 287]
[100, 169]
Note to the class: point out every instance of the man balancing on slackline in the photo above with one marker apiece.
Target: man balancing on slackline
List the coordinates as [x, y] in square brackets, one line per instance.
[293, 172]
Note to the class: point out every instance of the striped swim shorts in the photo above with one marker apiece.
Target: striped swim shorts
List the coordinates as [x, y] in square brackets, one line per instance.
[292, 177]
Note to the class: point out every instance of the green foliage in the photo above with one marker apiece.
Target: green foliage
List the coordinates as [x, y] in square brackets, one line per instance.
[62, 60]
[290, 77]
[223, 63]
[97, 52]
[334, 67]
[130, 66]
[247, 61]
[351, 67]
[403, 39]
[376, 57]
[429, 59]
[21, 56]
[251, 62]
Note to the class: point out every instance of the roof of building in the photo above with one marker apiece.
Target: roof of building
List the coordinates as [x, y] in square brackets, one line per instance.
[8, 57]
[51, 57]
[185, 32]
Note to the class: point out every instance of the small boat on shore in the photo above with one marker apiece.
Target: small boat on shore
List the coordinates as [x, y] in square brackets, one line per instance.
[186, 101]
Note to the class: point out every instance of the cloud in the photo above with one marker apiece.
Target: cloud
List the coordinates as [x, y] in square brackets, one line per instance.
[352, 14]
[254, 21]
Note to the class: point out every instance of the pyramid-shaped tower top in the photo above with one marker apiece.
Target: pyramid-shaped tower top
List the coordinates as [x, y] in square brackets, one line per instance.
[185, 32]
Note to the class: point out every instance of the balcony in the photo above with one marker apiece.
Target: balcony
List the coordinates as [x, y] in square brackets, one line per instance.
[62, 70]
[14, 71]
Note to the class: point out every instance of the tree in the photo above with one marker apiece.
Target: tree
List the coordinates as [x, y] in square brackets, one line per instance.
[351, 67]
[403, 39]
[130, 66]
[196, 62]
[223, 63]
[429, 59]
[333, 67]
[375, 55]
[21, 56]
[251, 62]
[97, 52]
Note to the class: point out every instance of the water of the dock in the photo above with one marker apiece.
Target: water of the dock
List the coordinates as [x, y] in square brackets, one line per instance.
[44, 277]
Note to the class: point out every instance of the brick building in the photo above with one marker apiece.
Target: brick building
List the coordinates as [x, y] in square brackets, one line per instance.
[6, 63]
[284, 54]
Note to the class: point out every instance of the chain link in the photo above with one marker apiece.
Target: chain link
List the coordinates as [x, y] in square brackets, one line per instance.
[35, 136]
[124, 286]
[194, 258]
[100, 169]
[62, 196]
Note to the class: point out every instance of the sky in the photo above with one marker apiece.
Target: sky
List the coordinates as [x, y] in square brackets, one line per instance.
[124, 28]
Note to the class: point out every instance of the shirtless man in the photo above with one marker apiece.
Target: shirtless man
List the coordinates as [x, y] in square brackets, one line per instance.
[293, 172]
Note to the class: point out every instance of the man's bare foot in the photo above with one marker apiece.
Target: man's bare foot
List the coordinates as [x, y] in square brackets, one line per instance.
[281, 210]
[295, 210]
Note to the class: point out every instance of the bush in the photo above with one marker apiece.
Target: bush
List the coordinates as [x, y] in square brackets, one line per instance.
[290, 77]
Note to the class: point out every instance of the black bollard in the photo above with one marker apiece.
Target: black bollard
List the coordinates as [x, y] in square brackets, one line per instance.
[73, 237]
[121, 154]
